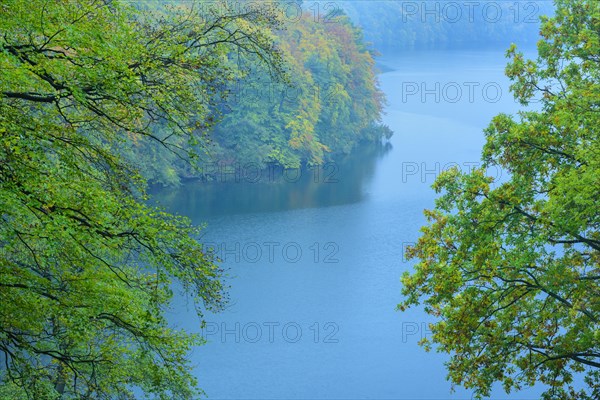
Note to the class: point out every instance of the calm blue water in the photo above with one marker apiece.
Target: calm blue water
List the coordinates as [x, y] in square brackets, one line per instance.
[314, 263]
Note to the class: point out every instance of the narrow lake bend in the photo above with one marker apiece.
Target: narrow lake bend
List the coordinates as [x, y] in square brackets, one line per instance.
[315, 262]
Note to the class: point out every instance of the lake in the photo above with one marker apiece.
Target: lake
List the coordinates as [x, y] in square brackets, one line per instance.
[314, 258]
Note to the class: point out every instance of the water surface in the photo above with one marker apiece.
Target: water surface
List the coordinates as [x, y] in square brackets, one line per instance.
[315, 260]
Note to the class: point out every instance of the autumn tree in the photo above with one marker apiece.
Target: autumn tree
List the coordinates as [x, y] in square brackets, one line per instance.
[511, 269]
[87, 269]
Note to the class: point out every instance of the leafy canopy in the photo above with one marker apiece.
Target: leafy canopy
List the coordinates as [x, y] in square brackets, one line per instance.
[86, 268]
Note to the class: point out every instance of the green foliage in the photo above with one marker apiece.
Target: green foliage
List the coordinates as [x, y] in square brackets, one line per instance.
[512, 269]
[331, 104]
[87, 269]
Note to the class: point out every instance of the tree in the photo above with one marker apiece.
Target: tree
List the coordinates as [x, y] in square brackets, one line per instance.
[87, 269]
[511, 269]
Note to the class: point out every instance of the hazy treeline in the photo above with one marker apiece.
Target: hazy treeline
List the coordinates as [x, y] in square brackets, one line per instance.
[397, 25]
[327, 103]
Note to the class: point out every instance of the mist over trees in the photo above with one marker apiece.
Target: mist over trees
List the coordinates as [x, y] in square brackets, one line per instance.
[400, 25]
[328, 103]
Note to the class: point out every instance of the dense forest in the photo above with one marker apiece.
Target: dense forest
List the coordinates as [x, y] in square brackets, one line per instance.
[328, 103]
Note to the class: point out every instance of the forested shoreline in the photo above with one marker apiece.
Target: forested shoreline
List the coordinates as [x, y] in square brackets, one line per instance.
[327, 104]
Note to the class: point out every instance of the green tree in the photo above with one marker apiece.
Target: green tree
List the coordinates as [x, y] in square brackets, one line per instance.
[512, 269]
[87, 269]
